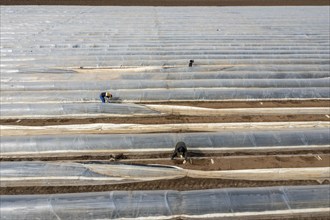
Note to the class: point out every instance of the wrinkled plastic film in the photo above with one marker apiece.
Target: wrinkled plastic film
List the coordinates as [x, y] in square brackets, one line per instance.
[33, 169]
[150, 84]
[296, 45]
[67, 174]
[49, 109]
[135, 204]
[194, 73]
[172, 94]
[166, 141]
[24, 174]
[20, 174]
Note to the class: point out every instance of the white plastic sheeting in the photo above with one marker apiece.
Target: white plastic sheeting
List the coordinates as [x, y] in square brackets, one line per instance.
[49, 109]
[152, 84]
[77, 52]
[200, 111]
[18, 145]
[91, 110]
[66, 173]
[170, 94]
[212, 203]
[108, 128]
[169, 73]
[20, 174]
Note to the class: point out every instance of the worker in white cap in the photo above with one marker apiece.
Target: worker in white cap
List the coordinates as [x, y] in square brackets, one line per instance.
[106, 97]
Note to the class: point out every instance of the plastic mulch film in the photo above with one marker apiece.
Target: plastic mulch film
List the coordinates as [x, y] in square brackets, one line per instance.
[45, 52]
[25, 173]
[212, 203]
[71, 109]
[147, 36]
[93, 173]
[172, 94]
[173, 73]
[170, 84]
[165, 141]
[66, 173]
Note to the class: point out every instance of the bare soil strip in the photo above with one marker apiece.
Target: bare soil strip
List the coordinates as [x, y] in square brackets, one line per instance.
[243, 162]
[161, 155]
[181, 184]
[168, 2]
[169, 119]
[214, 162]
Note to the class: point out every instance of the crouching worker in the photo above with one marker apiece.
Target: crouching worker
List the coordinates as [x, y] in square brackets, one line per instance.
[106, 97]
[180, 151]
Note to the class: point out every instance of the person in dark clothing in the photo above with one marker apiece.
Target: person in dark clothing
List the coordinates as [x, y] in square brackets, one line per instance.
[180, 151]
[105, 97]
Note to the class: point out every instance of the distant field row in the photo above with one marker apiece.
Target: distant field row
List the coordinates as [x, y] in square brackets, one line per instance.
[167, 2]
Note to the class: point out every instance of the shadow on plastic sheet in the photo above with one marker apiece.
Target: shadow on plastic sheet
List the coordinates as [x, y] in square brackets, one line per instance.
[116, 100]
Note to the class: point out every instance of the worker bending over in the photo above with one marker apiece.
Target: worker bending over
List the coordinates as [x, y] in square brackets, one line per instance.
[106, 97]
[180, 151]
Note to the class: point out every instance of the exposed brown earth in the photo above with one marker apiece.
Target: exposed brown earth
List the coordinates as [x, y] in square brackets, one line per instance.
[171, 119]
[181, 184]
[199, 161]
[137, 157]
[246, 162]
[167, 2]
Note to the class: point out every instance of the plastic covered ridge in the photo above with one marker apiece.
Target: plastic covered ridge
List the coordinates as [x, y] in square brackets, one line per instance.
[164, 141]
[24, 174]
[174, 84]
[19, 109]
[261, 201]
[170, 94]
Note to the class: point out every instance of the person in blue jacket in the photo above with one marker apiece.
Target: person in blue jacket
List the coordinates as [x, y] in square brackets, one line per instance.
[106, 97]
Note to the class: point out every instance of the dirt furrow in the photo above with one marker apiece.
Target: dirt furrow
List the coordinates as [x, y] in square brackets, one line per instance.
[181, 184]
